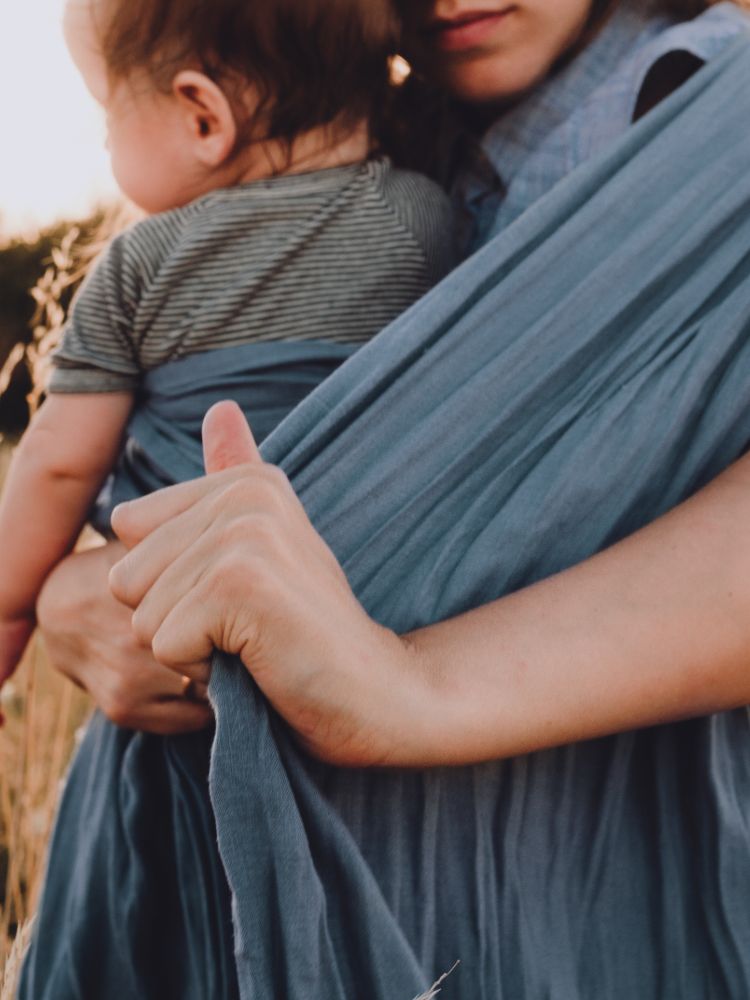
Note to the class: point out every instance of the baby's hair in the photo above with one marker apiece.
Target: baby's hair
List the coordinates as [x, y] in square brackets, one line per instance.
[313, 63]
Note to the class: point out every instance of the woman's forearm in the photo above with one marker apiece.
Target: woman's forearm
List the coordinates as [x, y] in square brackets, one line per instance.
[656, 628]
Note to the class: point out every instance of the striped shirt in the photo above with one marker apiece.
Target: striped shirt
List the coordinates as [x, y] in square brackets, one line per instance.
[332, 255]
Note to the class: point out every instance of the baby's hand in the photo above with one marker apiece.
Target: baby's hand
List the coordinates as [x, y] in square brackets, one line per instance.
[14, 635]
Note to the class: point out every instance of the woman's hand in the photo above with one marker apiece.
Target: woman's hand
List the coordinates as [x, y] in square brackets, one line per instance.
[231, 562]
[89, 638]
[654, 629]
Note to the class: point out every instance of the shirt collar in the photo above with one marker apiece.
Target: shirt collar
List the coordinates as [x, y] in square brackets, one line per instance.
[528, 124]
[580, 110]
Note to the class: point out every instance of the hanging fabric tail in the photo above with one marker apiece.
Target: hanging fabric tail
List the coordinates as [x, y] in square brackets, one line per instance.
[585, 372]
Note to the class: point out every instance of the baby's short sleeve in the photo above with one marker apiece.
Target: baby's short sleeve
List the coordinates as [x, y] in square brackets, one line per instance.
[96, 352]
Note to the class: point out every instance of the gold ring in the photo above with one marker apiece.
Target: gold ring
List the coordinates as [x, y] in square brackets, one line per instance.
[190, 690]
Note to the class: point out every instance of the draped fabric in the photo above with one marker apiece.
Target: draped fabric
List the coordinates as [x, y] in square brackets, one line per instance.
[163, 441]
[584, 373]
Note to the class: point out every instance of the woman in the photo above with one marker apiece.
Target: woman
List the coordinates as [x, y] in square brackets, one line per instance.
[695, 667]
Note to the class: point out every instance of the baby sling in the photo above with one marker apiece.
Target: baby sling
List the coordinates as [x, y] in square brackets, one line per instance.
[582, 374]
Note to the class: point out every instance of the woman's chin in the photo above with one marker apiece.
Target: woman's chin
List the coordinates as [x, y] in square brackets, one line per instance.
[489, 80]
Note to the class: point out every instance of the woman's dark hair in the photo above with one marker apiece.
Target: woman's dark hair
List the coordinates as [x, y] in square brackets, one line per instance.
[313, 62]
[685, 10]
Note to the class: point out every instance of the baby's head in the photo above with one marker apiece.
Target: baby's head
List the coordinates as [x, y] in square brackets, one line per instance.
[201, 94]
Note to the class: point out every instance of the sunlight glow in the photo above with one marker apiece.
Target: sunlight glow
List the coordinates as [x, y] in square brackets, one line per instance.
[52, 158]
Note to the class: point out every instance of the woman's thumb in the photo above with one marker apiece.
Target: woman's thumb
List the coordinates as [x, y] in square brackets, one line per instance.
[227, 439]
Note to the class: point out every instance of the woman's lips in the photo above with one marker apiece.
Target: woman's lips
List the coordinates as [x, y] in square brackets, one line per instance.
[468, 31]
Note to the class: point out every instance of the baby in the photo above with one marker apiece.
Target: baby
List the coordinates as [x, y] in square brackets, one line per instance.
[244, 131]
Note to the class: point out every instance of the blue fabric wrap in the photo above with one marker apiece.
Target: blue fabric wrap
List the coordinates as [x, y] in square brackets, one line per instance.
[163, 441]
[584, 373]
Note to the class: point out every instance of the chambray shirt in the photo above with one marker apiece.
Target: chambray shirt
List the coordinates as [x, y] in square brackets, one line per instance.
[580, 110]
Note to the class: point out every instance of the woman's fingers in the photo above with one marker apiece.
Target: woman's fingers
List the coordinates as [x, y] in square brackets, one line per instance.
[189, 589]
[135, 520]
[254, 493]
[135, 574]
[256, 503]
[199, 673]
[150, 698]
[227, 438]
[186, 632]
[170, 717]
[200, 598]
[89, 638]
[230, 452]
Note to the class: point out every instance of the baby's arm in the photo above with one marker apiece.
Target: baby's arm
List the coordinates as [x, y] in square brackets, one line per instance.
[59, 467]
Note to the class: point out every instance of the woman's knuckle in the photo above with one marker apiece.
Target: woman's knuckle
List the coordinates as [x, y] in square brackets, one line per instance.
[123, 523]
[279, 479]
[244, 536]
[266, 486]
[234, 534]
[234, 576]
[142, 626]
[240, 493]
[164, 650]
[261, 488]
[119, 580]
[117, 705]
[264, 531]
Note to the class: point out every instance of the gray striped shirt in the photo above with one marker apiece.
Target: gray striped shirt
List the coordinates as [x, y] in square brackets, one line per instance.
[332, 255]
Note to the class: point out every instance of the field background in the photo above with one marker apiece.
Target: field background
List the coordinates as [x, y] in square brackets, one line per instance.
[43, 714]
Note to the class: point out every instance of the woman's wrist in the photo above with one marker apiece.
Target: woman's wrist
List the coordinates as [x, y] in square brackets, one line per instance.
[418, 708]
[406, 702]
[442, 733]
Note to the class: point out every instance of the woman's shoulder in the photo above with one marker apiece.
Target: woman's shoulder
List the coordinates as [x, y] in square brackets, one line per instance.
[683, 45]
[590, 102]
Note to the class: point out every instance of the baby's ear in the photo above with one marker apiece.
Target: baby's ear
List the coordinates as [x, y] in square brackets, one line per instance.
[208, 116]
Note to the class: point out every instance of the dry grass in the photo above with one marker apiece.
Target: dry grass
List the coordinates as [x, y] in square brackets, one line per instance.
[431, 994]
[43, 714]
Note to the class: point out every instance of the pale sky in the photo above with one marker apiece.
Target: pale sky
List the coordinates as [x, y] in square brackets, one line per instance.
[52, 158]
